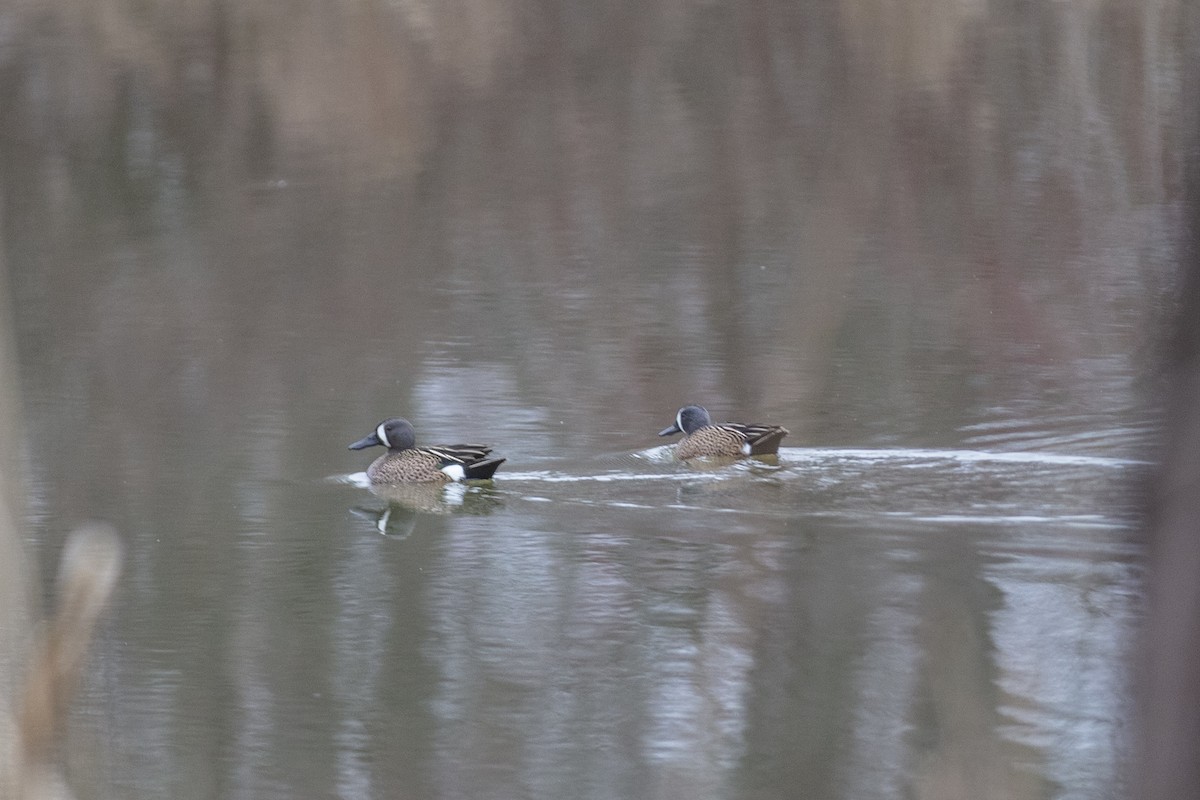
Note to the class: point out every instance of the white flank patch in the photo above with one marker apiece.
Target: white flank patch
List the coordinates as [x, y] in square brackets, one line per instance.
[455, 471]
[383, 436]
[746, 449]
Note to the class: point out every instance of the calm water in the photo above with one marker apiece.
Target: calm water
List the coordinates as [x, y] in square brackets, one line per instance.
[938, 255]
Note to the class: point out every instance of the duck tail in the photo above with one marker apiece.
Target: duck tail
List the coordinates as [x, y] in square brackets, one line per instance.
[482, 470]
[768, 443]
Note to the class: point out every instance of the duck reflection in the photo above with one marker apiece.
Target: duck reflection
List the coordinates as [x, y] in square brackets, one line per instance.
[735, 465]
[408, 501]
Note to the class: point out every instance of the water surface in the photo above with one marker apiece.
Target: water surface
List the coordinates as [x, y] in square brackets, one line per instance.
[938, 252]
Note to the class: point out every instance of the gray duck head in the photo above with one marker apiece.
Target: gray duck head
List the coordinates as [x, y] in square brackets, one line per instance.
[393, 433]
[688, 419]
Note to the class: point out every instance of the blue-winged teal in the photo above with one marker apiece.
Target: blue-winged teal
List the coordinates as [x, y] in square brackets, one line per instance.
[703, 438]
[404, 462]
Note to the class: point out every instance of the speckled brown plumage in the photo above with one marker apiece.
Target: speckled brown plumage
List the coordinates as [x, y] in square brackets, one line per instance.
[727, 439]
[404, 462]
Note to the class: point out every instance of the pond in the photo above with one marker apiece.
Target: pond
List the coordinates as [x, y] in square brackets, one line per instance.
[943, 265]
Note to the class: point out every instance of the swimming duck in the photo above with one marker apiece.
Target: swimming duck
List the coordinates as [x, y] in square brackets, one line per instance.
[730, 439]
[404, 462]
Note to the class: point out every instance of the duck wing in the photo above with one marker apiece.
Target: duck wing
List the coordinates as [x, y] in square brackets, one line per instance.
[762, 439]
[464, 454]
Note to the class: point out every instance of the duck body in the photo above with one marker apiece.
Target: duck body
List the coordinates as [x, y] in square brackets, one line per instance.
[404, 462]
[702, 437]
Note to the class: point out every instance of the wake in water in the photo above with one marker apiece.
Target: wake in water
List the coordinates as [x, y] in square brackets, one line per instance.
[922, 485]
[634, 465]
[807, 458]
